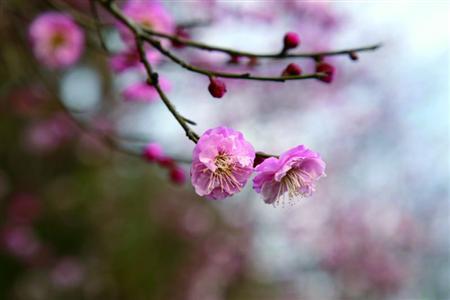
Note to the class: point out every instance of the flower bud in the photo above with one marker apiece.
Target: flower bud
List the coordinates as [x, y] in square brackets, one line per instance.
[252, 62]
[166, 162]
[234, 60]
[353, 55]
[177, 175]
[181, 33]
[292, 70]
[326, 68]
[217, 88]
[153, 152]
[291, 40]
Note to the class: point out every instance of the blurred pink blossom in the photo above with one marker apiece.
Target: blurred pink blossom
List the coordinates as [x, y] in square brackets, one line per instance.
[67, 273]
[56, 39]
[129, 58]
[48, 135]
[148, 13]
[20, 241]
[143, 92]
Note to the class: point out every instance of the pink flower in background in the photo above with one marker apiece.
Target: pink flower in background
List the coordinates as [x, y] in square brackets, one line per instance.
[222, 163]
[129, 58]
[148, 13]
[48, 135]
[143, 92]
[368, 253]
[56, 39]
[294, 172]
[67, 273]
[20, 241]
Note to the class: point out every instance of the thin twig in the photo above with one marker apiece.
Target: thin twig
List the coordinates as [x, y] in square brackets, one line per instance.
[157, 44]
[94, 11]
[153, 76]
[278, 55]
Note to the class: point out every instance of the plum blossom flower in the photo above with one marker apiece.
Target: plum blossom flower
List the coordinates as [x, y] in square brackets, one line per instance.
[222, 163]
[129, 58]
[147, 13]
[294, 173]
[143, 92]
[56, 39]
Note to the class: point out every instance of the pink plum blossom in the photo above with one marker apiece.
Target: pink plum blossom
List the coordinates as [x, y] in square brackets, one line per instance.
[47, 135]
[147, 13]
[294, 172]
[222, 163]
[56, 39]
[20, 241]
[129, 58]
[143, 92]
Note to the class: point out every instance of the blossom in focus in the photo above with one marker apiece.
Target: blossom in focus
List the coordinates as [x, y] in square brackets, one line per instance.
[143, 92]
[293, 174]
[150, 14]
[56, 39]
[222, 163]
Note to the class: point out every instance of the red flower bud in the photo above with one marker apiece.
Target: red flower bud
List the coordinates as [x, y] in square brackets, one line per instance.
[153, 152]
[217, 88]
[252, 61]
[292, 70]
[177, 175]
[291, 40]
[326, 68]
[234, 59]
[181, 33]
[166, 162]
[353, 55]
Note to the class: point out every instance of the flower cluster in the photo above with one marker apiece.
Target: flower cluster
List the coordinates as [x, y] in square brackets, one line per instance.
[148, 14]
[223, 161]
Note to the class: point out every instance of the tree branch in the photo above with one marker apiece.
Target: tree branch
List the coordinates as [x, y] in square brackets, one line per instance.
[278, 55]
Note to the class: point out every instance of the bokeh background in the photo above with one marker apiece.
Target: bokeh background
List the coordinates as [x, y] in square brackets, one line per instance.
[80, 220]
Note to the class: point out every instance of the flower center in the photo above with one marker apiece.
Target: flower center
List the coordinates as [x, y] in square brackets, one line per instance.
[223, 175]
[293, 183]
[223, 163]
[57, 40]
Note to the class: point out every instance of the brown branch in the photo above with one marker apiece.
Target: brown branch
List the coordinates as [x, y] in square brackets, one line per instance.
[98, 30]
[278, 55]
[152, 77]
[139, 33]
[157, 44]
